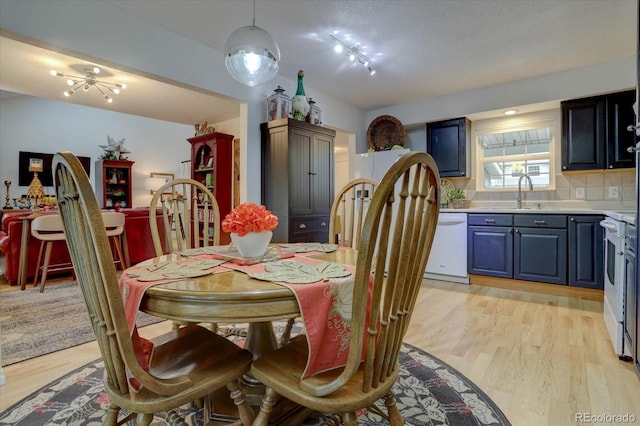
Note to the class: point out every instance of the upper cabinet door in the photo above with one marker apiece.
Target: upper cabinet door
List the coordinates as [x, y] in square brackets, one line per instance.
[594, 132]
[620, 115]
[447, 142]
[583, 134]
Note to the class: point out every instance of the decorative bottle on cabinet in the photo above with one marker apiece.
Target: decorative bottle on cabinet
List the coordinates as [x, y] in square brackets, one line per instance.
[113, 183]
[212, 165]
[298, 179]
[300, 102]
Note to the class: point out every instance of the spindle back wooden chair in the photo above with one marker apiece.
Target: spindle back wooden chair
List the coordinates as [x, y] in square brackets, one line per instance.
[348, 211]
[190, 214]
[185, 365]
[395, 243]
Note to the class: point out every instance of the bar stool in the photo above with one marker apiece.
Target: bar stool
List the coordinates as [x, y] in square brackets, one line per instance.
[48, 229]
[114, 224]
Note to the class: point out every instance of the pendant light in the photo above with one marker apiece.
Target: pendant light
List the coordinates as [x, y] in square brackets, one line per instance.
[251, 55]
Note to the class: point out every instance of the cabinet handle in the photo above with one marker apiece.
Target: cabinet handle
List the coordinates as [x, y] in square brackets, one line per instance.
[539, 222]
[632, 149]
[490, 221]
[517, 231]
[302, 226]
[312, 174]
[573, 219]
[564, 167]
[510, 231]
[323, 224]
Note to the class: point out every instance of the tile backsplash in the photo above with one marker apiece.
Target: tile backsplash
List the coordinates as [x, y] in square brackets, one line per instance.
[601, 189]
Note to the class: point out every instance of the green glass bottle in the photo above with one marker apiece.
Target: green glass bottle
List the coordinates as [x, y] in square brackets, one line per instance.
[300, 104]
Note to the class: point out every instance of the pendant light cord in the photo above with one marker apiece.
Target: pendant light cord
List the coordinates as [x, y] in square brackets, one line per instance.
[253, 23]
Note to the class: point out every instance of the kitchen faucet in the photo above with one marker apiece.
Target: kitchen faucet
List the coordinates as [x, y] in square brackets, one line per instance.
[519, 201]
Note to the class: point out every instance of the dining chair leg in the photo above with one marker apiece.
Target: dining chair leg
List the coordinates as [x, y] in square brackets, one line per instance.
[350, 419]
[395, 418]
[240, 400]
[286, 335]
[35, 278]
[45, 266]
[268, 401]
[144, 419]
[111, 418]
[121, 258]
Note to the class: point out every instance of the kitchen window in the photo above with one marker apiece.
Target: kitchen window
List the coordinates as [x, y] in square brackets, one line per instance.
[507, 152]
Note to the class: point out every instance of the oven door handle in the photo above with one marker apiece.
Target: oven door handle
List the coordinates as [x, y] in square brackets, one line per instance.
[608, 225]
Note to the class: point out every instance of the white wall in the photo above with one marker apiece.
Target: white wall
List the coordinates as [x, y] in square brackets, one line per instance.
[612, 76]
[98, 30]
[101, 31]
[40, 125]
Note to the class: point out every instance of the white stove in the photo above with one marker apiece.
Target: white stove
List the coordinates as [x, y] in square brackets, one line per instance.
[615, 226]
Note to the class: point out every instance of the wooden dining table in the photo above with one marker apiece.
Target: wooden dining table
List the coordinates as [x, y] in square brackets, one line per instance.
[234, 297]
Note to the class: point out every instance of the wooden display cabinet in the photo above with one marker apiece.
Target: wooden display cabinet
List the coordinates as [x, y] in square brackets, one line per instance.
[113, 183]
[212, 165]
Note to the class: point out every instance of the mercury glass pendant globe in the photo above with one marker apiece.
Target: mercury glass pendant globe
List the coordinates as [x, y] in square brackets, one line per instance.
[252, 56]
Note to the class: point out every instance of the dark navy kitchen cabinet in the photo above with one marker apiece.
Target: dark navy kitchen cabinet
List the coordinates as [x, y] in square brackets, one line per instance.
[594, 132]
[448, 144]
[620, 115]
[586, 254]
[540, 255]
[490, 245]
[548, 248]
[583, 133]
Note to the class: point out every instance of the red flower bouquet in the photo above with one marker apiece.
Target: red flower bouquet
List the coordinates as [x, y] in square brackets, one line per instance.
[249, 217]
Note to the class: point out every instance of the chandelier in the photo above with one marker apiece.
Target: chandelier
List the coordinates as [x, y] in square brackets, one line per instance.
[89, 80]
[353, 52]
[251, 55]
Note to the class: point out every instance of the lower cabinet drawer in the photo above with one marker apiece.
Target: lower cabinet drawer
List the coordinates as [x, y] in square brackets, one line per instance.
[309, 229]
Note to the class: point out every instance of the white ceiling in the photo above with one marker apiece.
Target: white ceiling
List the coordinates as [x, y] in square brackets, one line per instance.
[421, 48]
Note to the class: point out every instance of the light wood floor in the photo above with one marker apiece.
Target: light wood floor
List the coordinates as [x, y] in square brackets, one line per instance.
[541, 358]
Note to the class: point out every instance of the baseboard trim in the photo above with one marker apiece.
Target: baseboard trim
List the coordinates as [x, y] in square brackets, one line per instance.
[536, 287]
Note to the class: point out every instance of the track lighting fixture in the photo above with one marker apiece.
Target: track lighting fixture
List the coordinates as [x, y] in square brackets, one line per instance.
[88, 81]
[353, 53]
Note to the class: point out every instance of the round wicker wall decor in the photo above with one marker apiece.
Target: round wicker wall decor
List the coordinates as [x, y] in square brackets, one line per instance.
[384, 132]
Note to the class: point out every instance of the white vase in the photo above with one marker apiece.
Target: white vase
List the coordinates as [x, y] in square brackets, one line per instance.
[253, 244]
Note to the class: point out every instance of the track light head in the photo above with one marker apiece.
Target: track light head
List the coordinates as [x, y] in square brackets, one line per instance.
[353, 52]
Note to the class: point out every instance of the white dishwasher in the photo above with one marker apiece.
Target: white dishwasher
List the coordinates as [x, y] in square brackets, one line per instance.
[448, 257]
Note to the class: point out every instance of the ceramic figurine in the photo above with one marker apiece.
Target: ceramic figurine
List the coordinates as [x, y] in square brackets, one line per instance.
[300, 104]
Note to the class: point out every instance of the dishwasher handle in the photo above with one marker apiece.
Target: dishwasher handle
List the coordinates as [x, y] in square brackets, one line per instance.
[450, 222]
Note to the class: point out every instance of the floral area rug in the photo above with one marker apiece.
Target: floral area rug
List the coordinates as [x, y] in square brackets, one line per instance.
[428, 392]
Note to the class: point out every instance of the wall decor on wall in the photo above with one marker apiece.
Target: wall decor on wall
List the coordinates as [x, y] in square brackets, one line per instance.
[46, 178]
[384, 133]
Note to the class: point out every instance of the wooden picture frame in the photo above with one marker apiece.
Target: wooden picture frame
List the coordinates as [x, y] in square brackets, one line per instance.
[168, 177]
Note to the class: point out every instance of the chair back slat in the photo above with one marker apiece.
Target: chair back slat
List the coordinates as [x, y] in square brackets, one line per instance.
[393, 249]
[97, 278]
[190, 214]
[93, 262]
[348, 211]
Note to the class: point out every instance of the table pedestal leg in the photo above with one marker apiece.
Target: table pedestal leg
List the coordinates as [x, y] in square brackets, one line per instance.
[260, 340]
